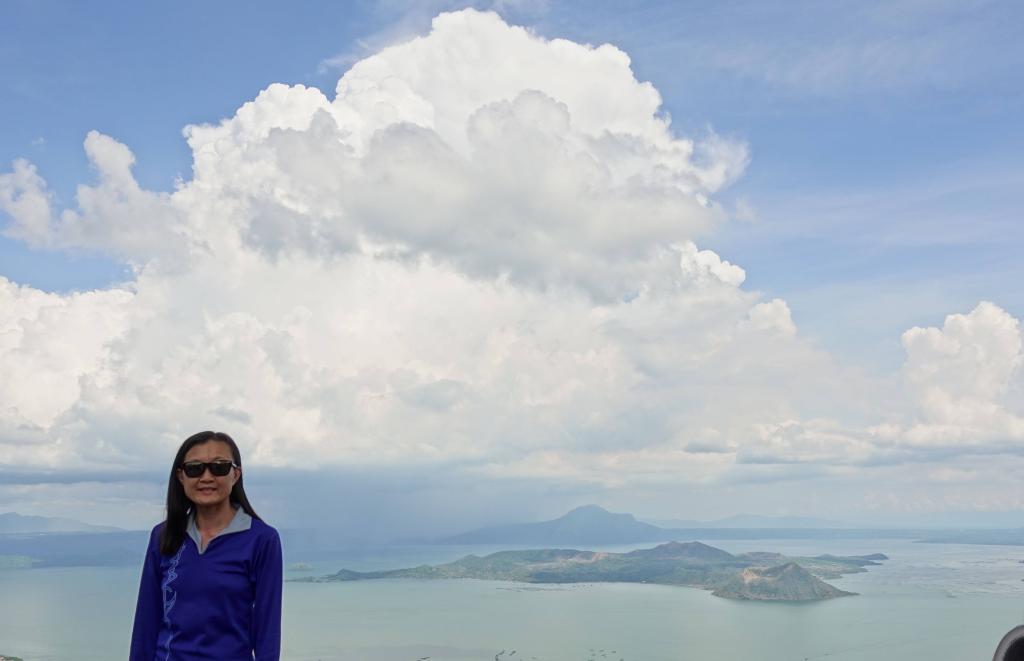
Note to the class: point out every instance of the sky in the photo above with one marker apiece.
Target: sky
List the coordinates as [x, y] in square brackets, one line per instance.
[437, 266]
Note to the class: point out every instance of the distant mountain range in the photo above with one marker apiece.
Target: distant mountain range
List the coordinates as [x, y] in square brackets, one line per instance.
[1007, 537]
[591, 524]
[12, 522]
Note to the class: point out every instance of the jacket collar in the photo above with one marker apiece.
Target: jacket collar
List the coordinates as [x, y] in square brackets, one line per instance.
[239, 522]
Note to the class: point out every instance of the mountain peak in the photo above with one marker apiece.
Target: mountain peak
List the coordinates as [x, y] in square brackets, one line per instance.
[788, 581]
[690, 550]
[591, 507]
[591, 511]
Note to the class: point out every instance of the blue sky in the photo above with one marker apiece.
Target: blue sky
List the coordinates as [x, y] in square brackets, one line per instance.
[886, 137]
[882, 191]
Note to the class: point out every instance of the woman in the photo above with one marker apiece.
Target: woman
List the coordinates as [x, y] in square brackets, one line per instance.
[211, 582]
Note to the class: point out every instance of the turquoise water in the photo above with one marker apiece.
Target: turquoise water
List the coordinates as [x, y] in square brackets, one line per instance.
[931, 602]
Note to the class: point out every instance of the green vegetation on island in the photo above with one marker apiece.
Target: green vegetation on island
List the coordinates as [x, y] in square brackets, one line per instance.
[755, 576]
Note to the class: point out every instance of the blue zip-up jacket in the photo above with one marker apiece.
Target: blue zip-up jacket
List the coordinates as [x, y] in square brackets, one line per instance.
[219, 603]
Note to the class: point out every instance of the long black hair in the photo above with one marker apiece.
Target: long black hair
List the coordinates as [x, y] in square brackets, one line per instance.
[178, 505]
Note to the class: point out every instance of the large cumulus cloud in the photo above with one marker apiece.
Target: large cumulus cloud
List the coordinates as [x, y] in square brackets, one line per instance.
[964, 380]
[480, 145]
[480, 254]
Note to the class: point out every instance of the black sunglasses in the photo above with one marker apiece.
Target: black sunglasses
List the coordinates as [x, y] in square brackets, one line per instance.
[217, 468]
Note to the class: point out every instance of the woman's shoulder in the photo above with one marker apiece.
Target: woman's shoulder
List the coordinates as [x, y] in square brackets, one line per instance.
[262, 528]
[154, 535]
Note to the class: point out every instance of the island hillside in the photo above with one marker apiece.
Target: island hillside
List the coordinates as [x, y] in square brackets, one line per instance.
[788, 582]
[756, 576]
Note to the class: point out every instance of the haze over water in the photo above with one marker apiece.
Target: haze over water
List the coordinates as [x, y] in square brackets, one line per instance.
[928, 602]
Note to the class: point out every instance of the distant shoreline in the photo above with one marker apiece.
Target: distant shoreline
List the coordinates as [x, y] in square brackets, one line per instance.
[758, 576]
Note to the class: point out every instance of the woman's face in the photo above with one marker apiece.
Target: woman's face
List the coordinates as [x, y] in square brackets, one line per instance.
[208, 489]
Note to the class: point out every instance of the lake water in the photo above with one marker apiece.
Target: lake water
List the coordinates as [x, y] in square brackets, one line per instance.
[928, 602]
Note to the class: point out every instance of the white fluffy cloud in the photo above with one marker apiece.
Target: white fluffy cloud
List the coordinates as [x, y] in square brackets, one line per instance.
[114, 216]
[964, 379]
[23, 196]
[480, 145]
[481, 253]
